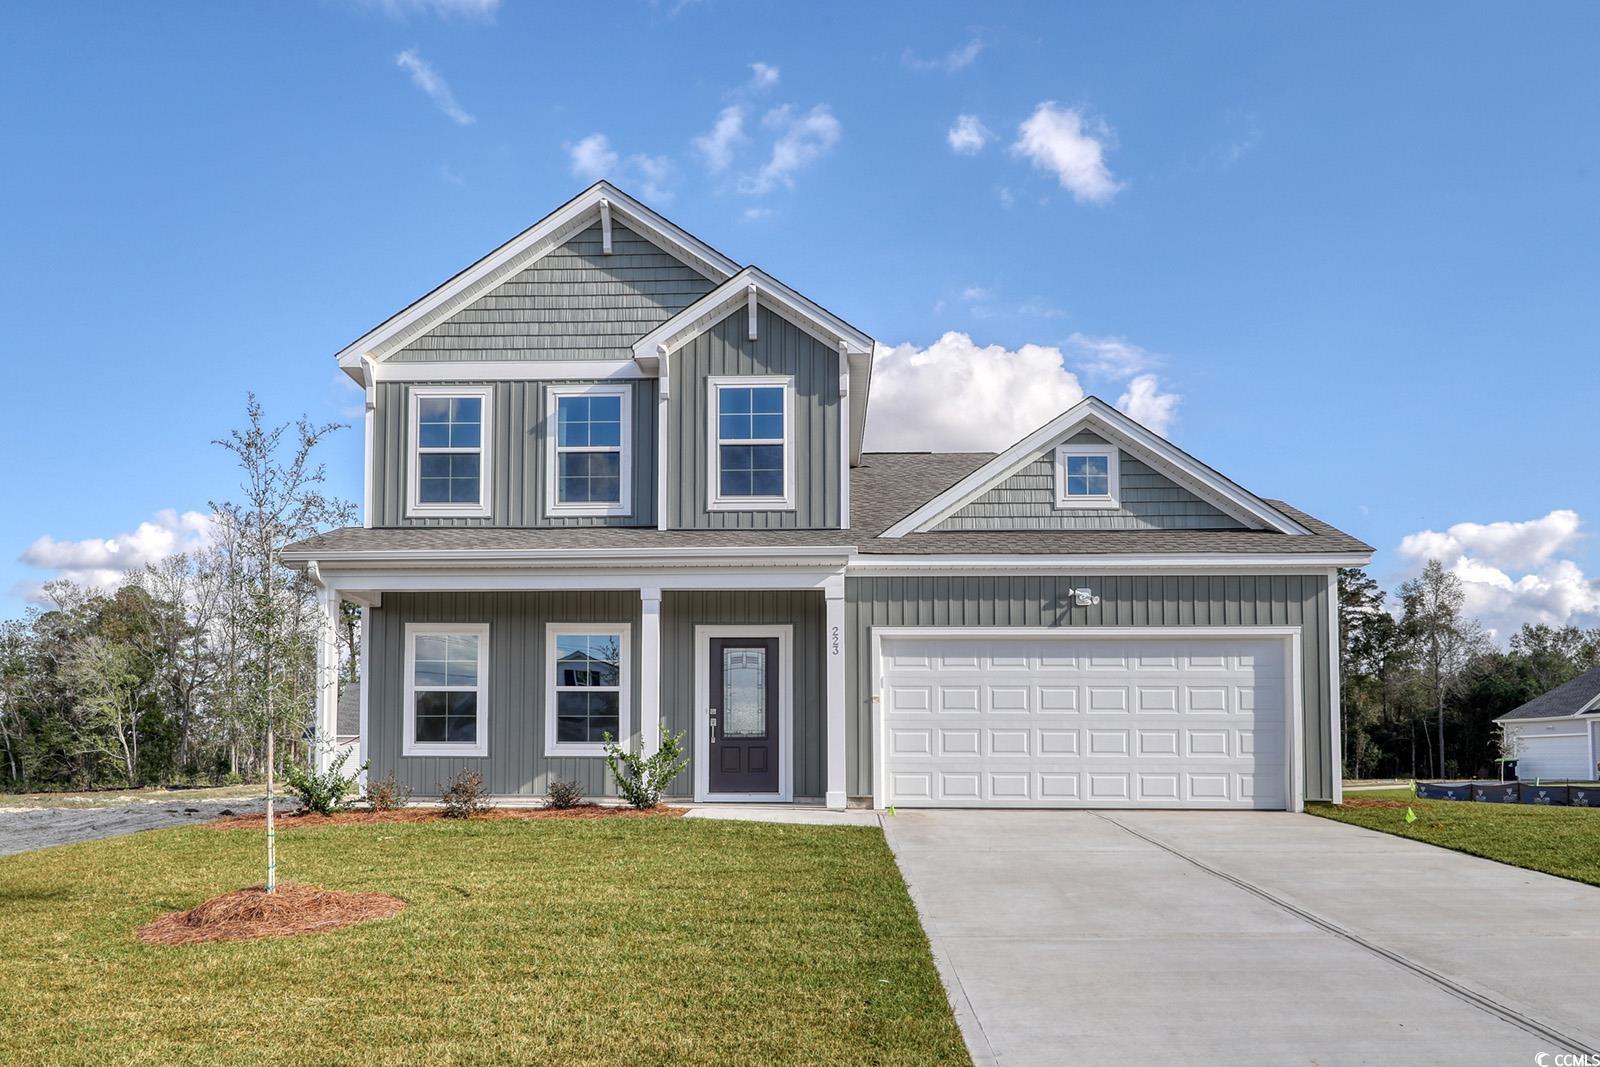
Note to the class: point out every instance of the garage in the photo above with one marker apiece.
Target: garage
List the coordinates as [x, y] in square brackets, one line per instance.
[1059, 719]
[1554, 750]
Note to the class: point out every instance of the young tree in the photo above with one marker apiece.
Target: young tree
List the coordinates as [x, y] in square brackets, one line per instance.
[282, 502]
[1445, 637]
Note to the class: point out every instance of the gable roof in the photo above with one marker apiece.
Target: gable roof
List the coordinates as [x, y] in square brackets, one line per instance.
[1578, 696]
[1092, 413]
[802, 312]
[516, 254]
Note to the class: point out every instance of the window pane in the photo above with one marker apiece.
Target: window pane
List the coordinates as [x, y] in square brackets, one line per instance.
[733, 427]
[431, 710]
[463, 659]
[1098, 486]
[433, 434]
[767, 399]
[734, 400]
[744, 692]
[605, 464]
[572, 417]
[462, 721]
[433, 409]
[767, 427]
[1077, 486]
[466, 409]
[586, 717]
[435, 465]
[589, 477]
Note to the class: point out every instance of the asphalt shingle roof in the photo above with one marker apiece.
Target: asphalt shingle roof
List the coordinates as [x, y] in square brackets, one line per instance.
[1562, 700]
[884, 488]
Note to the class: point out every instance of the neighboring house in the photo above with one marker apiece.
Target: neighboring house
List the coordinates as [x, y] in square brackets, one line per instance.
[613, 478]
[348, 725]
[1555, 735]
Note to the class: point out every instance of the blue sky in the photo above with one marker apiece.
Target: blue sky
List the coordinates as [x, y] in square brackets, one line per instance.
[1345, 253]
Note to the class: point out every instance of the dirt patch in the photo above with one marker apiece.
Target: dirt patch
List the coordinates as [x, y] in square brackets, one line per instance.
[296, 821]
[254, 913]
[1372, 802]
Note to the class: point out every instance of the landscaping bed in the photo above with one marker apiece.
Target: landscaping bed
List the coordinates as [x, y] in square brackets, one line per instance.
[301, 819]
[248, 914]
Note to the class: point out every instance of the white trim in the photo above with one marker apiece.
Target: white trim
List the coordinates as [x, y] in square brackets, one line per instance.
[1111, 498]
[835, 650]
[649, 670]
[526, 370]
[554, 749]
[1094, 413]
[1335, 674]
[702, 704]
[369, 421]
[1106, 563]
[715, 501]
[485, 450]
[663, 440]
[844, 437]
[410, 745]
[527, 247]
[1294, 747]
[363, 745]
[325, 736]
[553, 505]
[605, 226]
[495, 579]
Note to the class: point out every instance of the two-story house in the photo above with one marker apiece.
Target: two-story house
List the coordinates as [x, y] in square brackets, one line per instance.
[615, 480]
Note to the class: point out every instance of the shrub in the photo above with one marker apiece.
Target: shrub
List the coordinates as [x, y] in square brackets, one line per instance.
[324, 792]
[563, 795]
[387, 794]
[641, 780]
[465, 796]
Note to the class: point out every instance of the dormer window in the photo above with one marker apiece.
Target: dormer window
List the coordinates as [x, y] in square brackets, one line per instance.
[589, 446]
[449, 462]
[751, 457]
[1086, 476]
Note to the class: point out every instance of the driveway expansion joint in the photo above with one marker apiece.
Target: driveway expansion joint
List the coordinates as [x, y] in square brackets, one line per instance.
[1476, 999]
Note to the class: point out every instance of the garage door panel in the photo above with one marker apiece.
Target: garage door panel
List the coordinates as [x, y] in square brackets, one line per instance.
[1063, 722]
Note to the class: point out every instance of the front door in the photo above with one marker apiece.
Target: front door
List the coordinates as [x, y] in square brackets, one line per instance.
[743, 723]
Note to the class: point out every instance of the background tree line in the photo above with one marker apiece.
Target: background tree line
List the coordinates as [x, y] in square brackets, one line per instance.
[174, 675]
[1421, 688]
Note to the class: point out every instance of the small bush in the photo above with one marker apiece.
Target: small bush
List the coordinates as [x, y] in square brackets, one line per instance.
[563, 795]
[641, 780]
[465, 796]
[387, 794]
[323, 793]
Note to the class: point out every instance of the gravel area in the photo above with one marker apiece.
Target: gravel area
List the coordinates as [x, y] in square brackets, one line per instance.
[25, 829]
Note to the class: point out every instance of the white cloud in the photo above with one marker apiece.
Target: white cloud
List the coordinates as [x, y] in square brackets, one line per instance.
[593, 158]
[973, 294]
[1058, 140]
[1515, 545]
[716, 145]
[968, 136]
[471, 9]
[959, 58]
[763, 76]
[1510, 572]
[1146, 404]
[424, 77]
[802, 140]
[956, 395]
[756, 214]
[1109, 357]
[103, 562]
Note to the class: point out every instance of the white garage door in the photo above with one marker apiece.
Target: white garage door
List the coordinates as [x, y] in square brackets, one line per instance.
[1554, 755]
[1064, 721]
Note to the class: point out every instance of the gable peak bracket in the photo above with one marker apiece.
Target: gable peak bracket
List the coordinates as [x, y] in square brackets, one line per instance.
[750, 303]
[605, 226]
[844, 368]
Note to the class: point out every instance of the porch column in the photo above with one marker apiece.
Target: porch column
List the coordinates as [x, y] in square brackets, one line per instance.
[325, 737]
[650, 670]
[834, 638]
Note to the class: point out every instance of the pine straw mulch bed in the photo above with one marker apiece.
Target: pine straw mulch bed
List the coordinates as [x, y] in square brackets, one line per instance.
[298, 820]
[249, 914]
[1371, 802]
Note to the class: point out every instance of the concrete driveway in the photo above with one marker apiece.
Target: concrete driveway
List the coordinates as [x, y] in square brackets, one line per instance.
[1244, 938]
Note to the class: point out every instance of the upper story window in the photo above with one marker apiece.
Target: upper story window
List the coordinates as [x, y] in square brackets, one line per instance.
[449, 463]
[1086, 476]
[447, 672]
[586, 695]
[751, 459]
[589, 469]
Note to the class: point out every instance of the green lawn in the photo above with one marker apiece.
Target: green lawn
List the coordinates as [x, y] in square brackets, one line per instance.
[617, 941]
[1559, 841]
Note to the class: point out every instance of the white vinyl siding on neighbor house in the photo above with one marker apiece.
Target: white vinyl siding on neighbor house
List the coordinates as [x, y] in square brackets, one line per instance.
[751, 453]
[589, 450]
[1559, 749]
[449, 466]
[586, 687]
[446, 696]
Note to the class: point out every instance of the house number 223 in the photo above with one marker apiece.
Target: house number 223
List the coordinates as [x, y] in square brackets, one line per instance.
[833, 642]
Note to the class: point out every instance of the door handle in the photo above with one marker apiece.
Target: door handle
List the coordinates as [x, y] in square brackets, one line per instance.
[713, 726]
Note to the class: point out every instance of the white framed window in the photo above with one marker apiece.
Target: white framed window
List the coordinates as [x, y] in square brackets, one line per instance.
[750, 461]
[1087, 476]
[586, 687]
[589, 449]
[450, 461]
[447, 689]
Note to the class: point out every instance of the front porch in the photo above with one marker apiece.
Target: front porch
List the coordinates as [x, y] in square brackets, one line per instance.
[515, 676]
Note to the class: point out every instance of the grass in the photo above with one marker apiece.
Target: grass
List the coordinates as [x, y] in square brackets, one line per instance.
[109, 798]
[1556, 840]
[644, 941]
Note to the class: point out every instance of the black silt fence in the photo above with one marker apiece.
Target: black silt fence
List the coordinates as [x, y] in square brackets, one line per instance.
[1557, 793]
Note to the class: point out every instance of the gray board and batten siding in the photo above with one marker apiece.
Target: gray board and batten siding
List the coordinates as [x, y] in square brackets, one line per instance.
[575, 302]
[1148, 500]
[1125, 600]
[516, 763]
[781, 348]
[517, 458]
